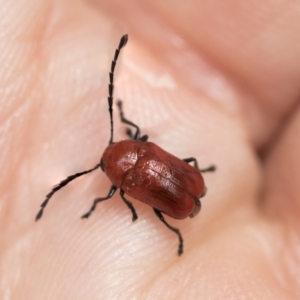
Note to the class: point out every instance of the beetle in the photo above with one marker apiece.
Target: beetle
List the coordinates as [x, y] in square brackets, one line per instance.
[145, 171]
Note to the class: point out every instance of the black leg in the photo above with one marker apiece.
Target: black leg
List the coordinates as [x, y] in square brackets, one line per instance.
[160, 216]
[192, 159]
[137, 134]
[129, 133]
[209, 169]
[197, 207]
[61, 185]
[143, 138]
[130, 206]
[97, 200]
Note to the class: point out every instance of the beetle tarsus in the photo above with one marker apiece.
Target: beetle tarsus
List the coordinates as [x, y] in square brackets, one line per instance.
[177, 231]
[194, 160]
[209, 169]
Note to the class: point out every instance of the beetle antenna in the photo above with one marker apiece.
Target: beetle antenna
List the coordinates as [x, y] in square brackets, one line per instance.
[122, 43]
[61, 185]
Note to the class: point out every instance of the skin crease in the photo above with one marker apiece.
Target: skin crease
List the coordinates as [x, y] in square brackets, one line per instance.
[55, 57]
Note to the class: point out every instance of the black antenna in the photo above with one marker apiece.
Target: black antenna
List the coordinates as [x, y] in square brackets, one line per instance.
[63, 183]
[123, 42]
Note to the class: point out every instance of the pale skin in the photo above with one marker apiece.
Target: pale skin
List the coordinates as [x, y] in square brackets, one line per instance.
[213, 80]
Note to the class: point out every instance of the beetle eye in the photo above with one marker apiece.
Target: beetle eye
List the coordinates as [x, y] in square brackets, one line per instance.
[102, 165]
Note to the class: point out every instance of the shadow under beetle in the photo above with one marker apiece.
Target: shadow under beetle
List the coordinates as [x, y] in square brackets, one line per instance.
[145, 172]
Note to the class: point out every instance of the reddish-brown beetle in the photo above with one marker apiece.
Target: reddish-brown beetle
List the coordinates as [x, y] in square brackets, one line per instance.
[145, 172]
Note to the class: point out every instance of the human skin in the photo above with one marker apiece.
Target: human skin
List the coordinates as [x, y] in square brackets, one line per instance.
[218, 81]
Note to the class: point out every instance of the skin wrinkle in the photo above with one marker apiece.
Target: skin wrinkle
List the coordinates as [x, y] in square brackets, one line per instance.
[61, 257]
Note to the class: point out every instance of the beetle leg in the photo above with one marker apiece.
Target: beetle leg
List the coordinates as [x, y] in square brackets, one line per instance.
[197, 208]
[61, 185]
[129, 132]
[192, 159]
[137, 134]
[160, 216]
[130, 206]
[144, 138]
[204, 192]
[97, 200]
[209, 169]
